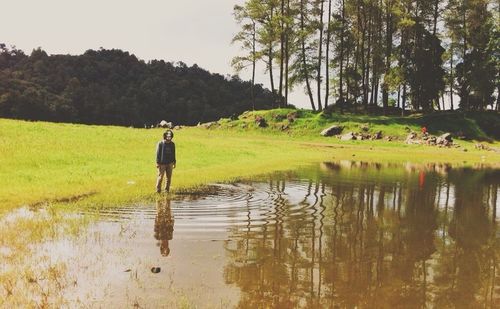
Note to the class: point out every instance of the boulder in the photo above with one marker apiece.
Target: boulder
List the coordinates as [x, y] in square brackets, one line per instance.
[209, 125]
[362, 136]
[165, 124]
[260, 121]
[411, 138]
[292, 116]
[447, 136]
[155, 270]
[377, 135]
[431, 140]
[333, 130]
[444, 140]
[348, 137]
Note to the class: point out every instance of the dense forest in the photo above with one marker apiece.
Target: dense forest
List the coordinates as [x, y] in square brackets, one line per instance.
[413, 54]
[114, 87]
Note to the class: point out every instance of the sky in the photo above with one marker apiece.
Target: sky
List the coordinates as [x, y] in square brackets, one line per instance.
[191, 31]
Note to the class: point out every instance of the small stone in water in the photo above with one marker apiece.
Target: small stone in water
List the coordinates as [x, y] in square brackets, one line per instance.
[155, 270]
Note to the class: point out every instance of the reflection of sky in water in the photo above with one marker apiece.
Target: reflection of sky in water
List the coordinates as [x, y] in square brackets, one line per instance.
[348, 234]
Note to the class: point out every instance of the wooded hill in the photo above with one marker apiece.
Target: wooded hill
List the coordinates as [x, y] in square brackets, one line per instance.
[114, 87]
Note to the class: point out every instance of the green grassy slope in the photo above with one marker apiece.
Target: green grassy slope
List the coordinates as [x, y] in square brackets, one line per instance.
[42, 161]
[479, 126]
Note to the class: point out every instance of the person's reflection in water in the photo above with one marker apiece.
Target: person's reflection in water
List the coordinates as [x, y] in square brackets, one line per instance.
[164, 225]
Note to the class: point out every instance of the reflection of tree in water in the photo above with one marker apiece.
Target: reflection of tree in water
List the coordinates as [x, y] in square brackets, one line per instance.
[468, 256]
[164, 225]
[379, 243]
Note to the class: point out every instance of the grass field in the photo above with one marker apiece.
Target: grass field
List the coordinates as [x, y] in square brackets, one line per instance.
[104, 165]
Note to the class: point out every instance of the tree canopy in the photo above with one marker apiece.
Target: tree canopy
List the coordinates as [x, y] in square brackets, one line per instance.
[412, 54]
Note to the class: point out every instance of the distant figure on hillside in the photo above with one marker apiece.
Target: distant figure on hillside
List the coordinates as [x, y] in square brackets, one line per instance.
[164, 225]
[165, 160]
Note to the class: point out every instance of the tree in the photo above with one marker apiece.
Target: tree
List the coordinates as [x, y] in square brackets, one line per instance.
[303, 66]
[247, 37]
[320, 25]
[476, 74]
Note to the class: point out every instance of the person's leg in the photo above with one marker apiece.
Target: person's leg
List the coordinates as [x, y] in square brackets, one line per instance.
[169, 168]
[161, 170]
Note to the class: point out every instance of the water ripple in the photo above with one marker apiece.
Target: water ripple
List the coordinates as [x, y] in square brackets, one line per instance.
[220, 207]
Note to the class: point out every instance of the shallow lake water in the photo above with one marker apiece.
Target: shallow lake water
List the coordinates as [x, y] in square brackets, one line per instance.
[332, 235]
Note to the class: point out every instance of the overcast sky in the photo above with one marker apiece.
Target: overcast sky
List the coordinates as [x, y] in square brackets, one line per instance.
[192, 31]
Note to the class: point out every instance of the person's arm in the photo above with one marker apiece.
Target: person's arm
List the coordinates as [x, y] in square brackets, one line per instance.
[158, 159]
[175, 161]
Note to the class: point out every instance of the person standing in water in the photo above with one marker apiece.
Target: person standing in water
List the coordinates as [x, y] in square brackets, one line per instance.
[165, 160]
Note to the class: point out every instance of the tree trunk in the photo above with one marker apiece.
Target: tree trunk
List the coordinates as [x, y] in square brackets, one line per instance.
[363, 59]
[464, 52]
[372, 90]
[436, 13]
[495, 198]
[253, 65]
[282, 52]
[399, 96]
[270, 55]
[271, 70]
[498, 98]
[347, 76]
[328, 33]
[388, 53]
[403, 103]
[376, 51]
[451, 80]
[304, 62]
[357, 48]
[369, 56]
[341, 75]
[287, 53]
[320, 54]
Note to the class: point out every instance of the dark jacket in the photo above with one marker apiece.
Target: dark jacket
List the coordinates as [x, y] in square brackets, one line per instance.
[165, 153]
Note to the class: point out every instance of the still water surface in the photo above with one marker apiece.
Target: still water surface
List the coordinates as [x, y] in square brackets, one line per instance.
[333, 235]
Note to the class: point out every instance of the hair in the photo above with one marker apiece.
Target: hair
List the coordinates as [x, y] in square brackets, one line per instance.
[167, 132]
